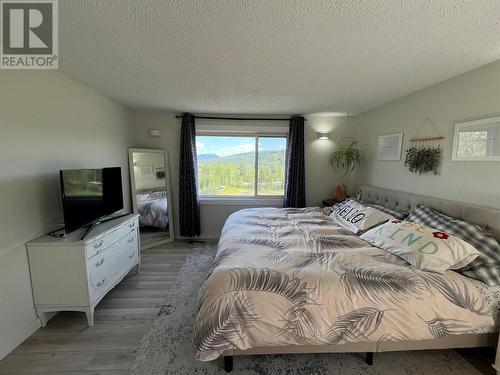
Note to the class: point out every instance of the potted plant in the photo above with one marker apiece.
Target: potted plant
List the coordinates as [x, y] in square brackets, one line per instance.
[347, 158]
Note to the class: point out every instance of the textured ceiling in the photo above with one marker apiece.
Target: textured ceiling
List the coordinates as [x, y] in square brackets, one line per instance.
[272, 56]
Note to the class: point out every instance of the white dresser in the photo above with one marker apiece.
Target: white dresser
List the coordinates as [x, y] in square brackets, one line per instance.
[69, 274]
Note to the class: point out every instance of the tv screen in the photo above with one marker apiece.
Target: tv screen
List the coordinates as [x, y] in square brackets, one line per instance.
[90, 194]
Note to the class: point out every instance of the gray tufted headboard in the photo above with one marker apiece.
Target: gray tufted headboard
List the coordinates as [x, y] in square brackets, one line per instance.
[487, 218]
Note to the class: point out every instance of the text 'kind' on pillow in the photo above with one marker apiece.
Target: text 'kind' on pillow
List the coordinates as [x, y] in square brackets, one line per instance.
[424, 247]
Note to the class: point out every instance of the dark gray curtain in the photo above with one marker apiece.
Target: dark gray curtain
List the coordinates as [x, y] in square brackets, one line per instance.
[189, 205]
[295, 189]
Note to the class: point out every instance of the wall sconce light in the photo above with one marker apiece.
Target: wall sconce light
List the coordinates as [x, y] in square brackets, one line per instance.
[154, 132]
[322, 136]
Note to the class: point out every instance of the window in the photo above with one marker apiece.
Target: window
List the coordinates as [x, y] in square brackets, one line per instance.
[241, 165]
[477, 140]
[477, 143]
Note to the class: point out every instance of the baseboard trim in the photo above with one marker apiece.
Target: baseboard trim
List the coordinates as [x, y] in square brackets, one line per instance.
[214, 237]
[12, 342]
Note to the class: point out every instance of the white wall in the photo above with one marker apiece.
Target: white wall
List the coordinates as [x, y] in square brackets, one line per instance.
[47, 122]
[321, 179]
[470, 96]
[149, 160]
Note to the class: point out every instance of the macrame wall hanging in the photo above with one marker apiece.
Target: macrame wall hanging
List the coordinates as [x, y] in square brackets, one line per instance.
[425, 153]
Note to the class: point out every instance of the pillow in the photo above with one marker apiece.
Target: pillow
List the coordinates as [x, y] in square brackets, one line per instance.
[394, 213]
[424, 247]
[357, 217]
[337, 205]
[486, 267]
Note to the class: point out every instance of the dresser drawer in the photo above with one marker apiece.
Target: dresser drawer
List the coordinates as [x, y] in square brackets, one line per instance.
[129, 252]
[106, 266]
[99, 244]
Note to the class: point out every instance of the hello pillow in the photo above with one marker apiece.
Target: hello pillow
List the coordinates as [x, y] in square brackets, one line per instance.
[423, 247]
[357, 217]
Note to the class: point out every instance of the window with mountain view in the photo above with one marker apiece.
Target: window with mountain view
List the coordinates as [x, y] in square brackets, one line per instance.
[241, 166]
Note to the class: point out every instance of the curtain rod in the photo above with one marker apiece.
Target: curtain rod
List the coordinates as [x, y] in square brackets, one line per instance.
[239, 118]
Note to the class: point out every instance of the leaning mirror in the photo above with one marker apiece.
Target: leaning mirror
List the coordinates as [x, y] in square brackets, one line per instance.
[151, 198]
[477, 140]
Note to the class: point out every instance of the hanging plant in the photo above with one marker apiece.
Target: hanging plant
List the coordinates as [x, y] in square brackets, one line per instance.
[425, 156]
[347, 158]
[423, 160]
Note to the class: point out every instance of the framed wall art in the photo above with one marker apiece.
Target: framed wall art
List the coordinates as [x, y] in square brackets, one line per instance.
[390, 146]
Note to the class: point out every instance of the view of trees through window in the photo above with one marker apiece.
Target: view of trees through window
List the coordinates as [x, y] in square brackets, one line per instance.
[473, 143]
[227, 165]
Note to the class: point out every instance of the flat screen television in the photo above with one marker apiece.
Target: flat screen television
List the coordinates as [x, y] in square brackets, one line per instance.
[90, 194]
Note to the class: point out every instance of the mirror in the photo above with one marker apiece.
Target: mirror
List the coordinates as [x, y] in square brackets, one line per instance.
[151, 198]
[477, 140]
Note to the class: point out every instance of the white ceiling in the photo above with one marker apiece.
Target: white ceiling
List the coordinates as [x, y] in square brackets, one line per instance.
[272, 56]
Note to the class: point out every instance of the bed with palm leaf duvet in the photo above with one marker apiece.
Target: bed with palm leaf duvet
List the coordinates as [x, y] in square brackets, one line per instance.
[285, 277]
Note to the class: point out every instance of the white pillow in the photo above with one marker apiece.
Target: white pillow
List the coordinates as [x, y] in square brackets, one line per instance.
[356, 217]
[424, 247]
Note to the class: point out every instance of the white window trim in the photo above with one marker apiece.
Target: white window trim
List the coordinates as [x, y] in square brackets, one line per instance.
[473, 125]
[232, 128]
[239, 131]
[276, 200]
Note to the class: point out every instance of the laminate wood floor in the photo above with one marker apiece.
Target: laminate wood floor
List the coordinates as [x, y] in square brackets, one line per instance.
[122, 318]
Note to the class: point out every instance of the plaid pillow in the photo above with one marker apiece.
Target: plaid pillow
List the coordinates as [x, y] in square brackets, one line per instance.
[486, 267]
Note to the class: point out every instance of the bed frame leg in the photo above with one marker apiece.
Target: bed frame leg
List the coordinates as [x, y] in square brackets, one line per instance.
[228, 363]
[496, 366]
[369, 358]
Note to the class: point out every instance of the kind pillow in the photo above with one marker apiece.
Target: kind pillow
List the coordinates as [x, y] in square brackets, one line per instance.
[357, 217]
[486, 267]
[423, 247]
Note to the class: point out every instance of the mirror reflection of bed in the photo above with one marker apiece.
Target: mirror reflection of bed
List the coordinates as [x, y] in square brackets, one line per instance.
[150, 185]
[152, 207]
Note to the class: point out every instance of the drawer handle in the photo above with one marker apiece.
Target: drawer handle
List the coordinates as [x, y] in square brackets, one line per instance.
[98, 244]
[131, 225]
[101, 283]
[131, 255]
[131, 239]
[99, 262]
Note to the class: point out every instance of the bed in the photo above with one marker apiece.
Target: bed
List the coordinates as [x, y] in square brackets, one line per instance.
[152, 207]
[293, 281]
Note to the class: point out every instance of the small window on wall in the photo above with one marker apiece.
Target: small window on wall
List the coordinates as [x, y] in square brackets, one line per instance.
[241, 165]
[477, 140]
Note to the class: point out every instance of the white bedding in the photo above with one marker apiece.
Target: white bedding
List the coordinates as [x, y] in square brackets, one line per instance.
[153, 209]
[293, 277]
[491, 298]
